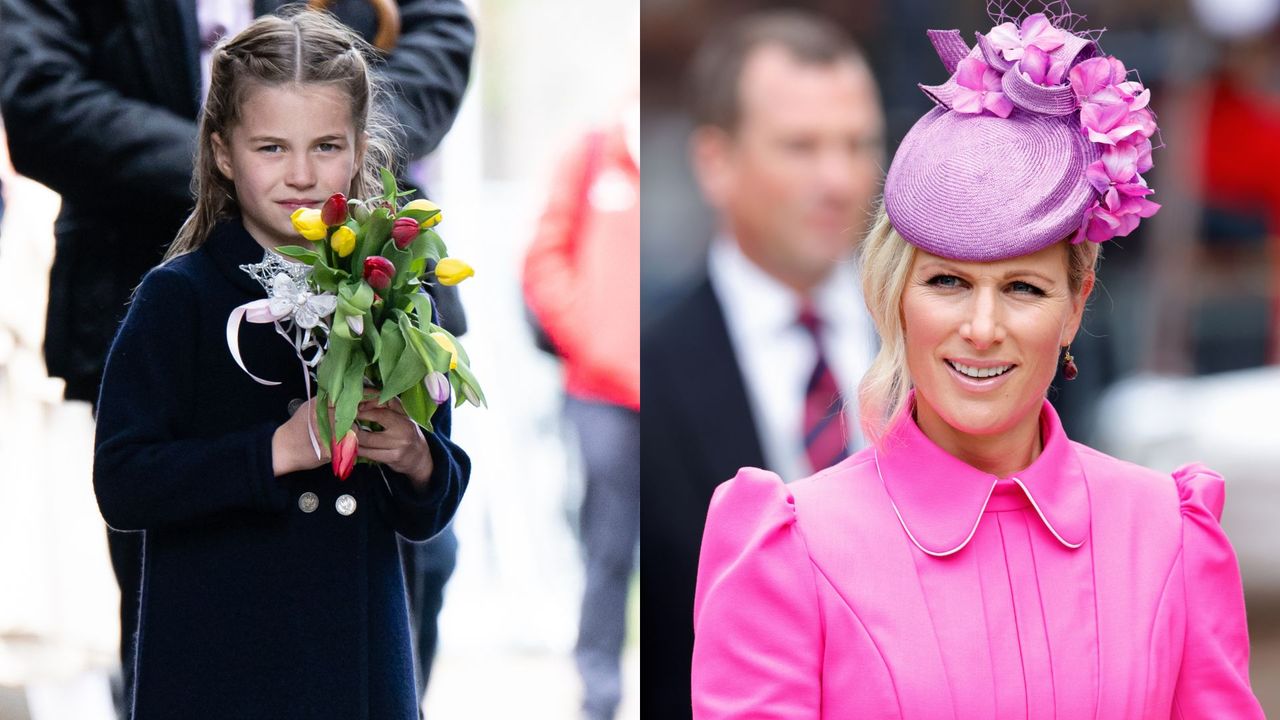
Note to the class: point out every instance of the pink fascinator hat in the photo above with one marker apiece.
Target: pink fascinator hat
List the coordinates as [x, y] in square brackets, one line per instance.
[1036, 138]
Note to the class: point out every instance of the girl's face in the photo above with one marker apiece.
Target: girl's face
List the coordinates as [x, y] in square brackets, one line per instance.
[293, 147]
[1006, 319]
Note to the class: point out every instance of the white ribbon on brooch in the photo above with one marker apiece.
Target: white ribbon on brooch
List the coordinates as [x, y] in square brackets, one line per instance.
[289, 300]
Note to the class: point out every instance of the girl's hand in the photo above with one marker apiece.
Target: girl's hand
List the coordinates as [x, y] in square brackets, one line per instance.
[400, 445]
[291, 449]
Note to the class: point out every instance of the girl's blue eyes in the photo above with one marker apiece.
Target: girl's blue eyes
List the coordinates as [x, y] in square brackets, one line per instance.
[323, 147]
[951, 281]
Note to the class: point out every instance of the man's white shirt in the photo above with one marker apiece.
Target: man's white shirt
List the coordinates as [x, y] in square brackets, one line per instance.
[776, 354]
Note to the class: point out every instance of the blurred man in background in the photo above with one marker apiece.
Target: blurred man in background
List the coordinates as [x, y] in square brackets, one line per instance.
[755, 366]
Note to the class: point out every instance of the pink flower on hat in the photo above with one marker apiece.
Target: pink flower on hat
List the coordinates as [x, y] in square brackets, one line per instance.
[1036, 31]
[1112, 123]
[1124, 195]
[1142, 146]
[1101, 80]
[978, 88]
[1038, 67]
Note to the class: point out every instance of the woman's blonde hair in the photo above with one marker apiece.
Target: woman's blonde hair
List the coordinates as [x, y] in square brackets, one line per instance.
[886, 267]
[297, 47]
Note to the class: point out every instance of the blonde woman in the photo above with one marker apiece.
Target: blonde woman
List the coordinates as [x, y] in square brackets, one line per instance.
[974, 562]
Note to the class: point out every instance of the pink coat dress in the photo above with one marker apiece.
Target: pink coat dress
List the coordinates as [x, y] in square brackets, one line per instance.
[903, 583]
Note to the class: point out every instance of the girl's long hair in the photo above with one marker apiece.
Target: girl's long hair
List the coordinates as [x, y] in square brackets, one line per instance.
[298, 47]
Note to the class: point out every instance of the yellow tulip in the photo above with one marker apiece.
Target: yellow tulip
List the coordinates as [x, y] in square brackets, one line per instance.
[308, 224]
[426, 206]
[443, 341]
[343, 241]
[451, 271]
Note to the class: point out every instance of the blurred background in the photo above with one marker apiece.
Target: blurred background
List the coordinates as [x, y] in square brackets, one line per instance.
[1178, 357]
[545, 73]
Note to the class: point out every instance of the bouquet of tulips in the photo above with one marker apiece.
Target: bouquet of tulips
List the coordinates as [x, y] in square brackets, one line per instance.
[370, 260]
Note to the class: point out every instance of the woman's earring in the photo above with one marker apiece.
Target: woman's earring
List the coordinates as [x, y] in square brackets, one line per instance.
[1069, 369]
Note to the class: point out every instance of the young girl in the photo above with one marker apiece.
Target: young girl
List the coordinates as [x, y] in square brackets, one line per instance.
[270, 588]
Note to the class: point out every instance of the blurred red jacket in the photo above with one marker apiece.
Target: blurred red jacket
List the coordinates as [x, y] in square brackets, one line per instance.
[582, 271]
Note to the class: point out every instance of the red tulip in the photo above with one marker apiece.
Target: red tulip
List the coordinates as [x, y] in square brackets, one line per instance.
[404, 231]
[334, 211]
[378, 271]
[344, 455]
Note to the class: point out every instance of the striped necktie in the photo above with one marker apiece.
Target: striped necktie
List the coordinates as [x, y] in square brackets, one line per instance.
[825, 443]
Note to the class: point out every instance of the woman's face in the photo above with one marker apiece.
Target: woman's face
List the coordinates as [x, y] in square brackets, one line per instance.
[984, 338]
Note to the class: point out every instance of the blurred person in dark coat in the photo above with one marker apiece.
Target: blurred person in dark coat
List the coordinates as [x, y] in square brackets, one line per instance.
[100, 101]
[755, 365]
[582, 284]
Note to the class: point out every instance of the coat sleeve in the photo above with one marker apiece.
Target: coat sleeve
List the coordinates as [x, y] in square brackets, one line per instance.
[1213, 681]
[147, 471]
[420, 515]
[757, 630]
[69, 131]
[428, 70]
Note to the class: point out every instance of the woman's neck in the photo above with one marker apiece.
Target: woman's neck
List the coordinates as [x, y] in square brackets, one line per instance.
[1002, 454]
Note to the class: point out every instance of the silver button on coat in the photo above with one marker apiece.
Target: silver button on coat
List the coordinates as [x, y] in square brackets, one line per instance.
[345, 505]
[308, 502]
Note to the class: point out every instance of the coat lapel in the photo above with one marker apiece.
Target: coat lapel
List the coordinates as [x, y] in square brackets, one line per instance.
[717, 396]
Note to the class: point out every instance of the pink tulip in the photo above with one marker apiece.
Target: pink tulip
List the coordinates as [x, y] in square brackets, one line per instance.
[334, 211]
[379, 271]
[437, 387]
[344, 455]
[404, 231]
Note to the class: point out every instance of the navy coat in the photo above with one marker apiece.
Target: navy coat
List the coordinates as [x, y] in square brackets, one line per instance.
[251, 607]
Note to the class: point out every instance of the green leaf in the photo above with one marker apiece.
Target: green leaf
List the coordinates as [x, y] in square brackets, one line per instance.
[330, 373]
[401, 259]
[393, 345]
[355, 297]
[419, 214]
[323, 432]
[389, 188]
[427, 348]
[352, 392]
[435, 245]
[418, 406]
[376, 232]
[327, 278]
[340, 326]
[409, 370]
[372, 342]
[458, 396]
[309, 257]
[422, 304]
[463, 358]
[464, 374]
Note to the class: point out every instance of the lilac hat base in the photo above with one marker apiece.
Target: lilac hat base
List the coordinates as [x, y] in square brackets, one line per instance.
[983, 188]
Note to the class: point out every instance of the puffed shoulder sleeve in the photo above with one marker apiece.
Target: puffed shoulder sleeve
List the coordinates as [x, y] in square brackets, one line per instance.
[758, 638]
[1213, 681]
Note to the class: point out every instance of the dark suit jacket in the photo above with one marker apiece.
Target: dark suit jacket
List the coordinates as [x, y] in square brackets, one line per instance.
[251, 607]
[696, 431]
[100, 101]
